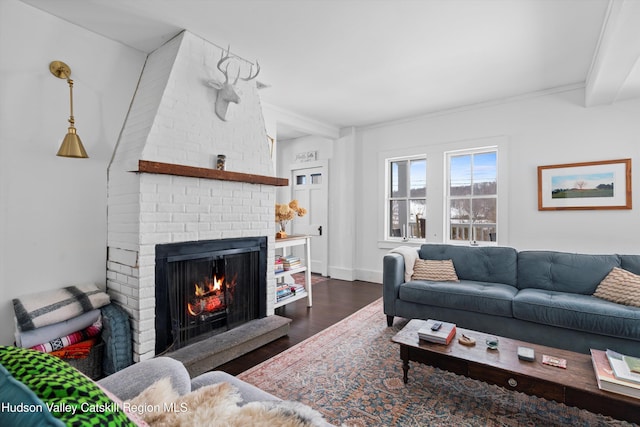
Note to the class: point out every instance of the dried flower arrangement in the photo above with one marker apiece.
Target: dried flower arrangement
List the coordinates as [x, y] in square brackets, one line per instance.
[285, 213]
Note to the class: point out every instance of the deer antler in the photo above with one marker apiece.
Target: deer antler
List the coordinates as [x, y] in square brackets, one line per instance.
[224, 57]
[251, 77]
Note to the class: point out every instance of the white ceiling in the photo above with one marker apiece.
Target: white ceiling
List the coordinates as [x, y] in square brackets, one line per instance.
[361, 62]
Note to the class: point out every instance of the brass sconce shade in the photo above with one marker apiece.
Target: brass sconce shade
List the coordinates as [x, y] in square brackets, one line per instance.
[71, 144]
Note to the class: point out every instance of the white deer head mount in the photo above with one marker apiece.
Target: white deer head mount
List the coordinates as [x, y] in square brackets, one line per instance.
[227, 92]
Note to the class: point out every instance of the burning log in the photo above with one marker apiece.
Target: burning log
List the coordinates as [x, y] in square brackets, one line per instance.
[209, 296]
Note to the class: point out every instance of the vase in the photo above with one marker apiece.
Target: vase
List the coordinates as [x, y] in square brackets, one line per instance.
[282, 233]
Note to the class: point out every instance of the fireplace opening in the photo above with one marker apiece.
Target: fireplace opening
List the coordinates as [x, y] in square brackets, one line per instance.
[208, 287]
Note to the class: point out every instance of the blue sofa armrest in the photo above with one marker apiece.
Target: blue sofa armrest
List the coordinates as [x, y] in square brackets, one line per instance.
[392, 278]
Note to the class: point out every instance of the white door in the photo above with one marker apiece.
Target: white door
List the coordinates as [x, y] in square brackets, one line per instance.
[309, 186]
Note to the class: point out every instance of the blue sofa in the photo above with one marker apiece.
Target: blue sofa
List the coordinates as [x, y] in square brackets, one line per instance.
[542, 297]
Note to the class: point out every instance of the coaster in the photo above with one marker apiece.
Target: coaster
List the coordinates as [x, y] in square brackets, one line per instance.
[465, 340]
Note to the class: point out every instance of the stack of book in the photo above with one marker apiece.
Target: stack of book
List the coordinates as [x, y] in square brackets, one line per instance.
[616, 372]
[288, 290]
[443, 335]
[290, 262]
[279, 265]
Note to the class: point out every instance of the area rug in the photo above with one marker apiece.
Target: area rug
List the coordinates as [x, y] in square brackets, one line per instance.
[352, 373]
[315, 278]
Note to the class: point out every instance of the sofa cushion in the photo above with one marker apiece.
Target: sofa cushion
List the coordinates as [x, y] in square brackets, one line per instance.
[491, 264]
[436, 270]
[630, 263]
[620, 286]
[563, 272]
[491, 298]
[578, 312]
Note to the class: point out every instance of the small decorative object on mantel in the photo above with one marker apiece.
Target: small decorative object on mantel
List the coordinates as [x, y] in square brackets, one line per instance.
[220, 162]
[285, 213]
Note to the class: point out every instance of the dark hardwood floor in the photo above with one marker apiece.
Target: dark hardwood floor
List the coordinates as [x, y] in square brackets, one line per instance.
[333, 300]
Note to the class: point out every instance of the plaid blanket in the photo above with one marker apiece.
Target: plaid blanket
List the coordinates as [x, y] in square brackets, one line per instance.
[46, 308]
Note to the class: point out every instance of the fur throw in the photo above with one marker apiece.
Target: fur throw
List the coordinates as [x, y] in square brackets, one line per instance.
[217, 405]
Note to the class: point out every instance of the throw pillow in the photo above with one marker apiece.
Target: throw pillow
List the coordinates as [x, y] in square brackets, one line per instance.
[620, 286]
[20, 406]
[435, 270]
[66, 393]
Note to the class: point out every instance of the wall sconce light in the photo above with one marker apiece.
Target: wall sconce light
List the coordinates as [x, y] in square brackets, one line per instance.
[71, 144]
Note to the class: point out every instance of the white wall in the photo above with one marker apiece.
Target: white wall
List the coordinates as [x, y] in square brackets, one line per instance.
[53, 220]
[286, 156]
[543, 130]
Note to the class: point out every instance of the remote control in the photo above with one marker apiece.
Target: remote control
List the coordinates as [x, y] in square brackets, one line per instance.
[436, 326]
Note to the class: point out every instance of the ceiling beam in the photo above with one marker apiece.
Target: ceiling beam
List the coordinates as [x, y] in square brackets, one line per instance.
[615, 69]
[301, 123]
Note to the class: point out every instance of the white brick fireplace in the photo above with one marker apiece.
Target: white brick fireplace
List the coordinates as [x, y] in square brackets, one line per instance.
[172, 122]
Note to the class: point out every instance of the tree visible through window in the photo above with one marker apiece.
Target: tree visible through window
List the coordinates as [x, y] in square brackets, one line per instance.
[407, 196]
[473, 195]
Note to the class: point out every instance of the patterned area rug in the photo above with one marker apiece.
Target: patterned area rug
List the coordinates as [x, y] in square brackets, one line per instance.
[352, 373]
[315, 278]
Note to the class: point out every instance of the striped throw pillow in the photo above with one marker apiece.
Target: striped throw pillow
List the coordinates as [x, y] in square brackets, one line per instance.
[434, 270]
[620, 286]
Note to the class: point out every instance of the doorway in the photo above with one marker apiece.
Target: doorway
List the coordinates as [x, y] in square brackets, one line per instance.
[309, 185]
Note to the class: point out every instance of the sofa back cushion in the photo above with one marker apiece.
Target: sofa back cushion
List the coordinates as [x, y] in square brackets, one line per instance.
[630, 263]
[562, 271]
[494, 264]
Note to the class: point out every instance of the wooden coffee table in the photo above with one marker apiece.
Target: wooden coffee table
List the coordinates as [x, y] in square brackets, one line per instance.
[574, 386]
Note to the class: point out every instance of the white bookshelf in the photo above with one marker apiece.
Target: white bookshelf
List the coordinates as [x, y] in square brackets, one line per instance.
[283, 246]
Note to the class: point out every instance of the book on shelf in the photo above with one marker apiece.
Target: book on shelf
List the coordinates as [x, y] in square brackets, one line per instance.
[290, 262]
[283, 292]
[620, 366]
[288, 290]
[606, 378]
[279, 265]
[443, 335]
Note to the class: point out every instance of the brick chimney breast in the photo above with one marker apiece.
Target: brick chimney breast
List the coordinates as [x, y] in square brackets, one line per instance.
[172, 120]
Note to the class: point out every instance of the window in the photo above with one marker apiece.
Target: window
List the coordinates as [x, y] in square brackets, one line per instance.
[472, 196]
[406, 198]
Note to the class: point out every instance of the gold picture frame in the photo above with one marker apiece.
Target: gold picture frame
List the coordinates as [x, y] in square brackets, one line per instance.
[585, 186]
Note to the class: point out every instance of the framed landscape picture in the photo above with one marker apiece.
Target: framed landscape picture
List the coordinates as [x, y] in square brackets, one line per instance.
[589, 185]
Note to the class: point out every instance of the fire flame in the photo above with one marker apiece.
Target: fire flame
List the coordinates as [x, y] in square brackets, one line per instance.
[208, 296]
[209, 286]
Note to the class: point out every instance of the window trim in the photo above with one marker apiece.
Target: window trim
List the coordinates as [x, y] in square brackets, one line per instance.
[436, 187]
[447, 199]
[388, 198]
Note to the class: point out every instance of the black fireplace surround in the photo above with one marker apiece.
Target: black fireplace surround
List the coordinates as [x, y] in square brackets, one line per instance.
[204, 288]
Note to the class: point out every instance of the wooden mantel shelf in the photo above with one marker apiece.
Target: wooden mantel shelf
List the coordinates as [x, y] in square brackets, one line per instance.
[195, 172]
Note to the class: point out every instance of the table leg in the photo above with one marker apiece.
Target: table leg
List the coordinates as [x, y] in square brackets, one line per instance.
[404, 355]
